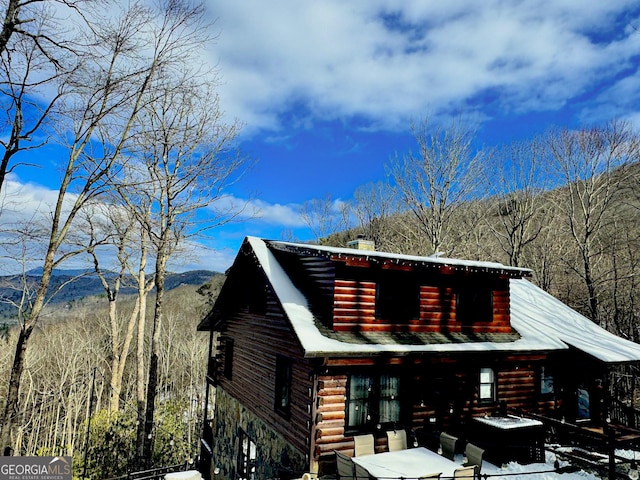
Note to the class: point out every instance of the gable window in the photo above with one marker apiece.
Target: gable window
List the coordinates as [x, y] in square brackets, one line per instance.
[283, 385]
[373, 400]
[397, 297]
[487, 390]
[246, 461]
[474, 303]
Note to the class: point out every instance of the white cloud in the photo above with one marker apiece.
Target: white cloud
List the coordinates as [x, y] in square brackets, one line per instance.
[28, 205]
[388, 61]
[31, 203]
[617, 101]
[197, 256]
[260, 211]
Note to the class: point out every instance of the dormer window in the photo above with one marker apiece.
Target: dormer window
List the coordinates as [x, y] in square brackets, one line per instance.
[474, 304]
[397, 297]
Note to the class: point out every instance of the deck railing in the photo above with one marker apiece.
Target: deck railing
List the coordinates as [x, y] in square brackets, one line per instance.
[624, 414]
[152, 474]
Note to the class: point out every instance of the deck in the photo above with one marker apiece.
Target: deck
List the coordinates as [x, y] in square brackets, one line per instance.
[605, 440]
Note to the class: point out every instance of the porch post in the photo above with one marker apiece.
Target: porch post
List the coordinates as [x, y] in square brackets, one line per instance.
[611, 448]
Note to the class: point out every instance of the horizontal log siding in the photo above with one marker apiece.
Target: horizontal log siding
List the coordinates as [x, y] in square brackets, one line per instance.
[330, 423]
[257, 341]
[354, 309]
[457, 378]
[354, 305]
[517, 386]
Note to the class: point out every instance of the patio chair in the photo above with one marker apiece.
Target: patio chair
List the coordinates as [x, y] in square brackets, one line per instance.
[364, 445]
[397, 440]
[474, 456]
[361, 473]
[344, 466]
[448, 445]
[464, 473]
[431, 476]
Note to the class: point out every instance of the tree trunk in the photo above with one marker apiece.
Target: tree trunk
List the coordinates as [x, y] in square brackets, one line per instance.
[152, 382]
[140, 371]
[117, 372]
[11, 409]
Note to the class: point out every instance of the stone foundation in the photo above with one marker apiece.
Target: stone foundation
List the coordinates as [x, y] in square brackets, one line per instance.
[274, 456]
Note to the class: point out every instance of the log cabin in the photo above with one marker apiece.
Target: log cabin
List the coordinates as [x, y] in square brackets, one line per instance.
[313, 345]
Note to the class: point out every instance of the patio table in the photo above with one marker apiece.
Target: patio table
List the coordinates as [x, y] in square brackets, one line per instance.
[410, 463]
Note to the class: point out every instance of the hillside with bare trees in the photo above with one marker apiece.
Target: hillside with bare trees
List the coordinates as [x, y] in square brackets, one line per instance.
[565, 204]
[71, 357]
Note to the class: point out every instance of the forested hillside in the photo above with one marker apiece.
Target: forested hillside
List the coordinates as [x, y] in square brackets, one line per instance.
[68, 287]
[565, 204]
[112, 106]
[73, 347]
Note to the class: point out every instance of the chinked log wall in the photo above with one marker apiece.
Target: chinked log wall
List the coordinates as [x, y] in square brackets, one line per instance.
[355, 310]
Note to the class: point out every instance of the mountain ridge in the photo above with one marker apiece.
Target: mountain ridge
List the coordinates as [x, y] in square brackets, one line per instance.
[68, 286]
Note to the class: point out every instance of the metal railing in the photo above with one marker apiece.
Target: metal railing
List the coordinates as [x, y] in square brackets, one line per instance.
[151, 474]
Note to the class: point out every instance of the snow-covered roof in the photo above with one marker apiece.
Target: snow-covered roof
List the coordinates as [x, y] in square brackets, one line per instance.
[536, 312]
[542, 321]
[372, 254]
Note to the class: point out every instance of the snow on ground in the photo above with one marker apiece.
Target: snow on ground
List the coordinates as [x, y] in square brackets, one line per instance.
[515, 471]
[533, 471]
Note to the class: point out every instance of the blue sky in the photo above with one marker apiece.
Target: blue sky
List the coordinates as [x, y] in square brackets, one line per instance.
[326, 90]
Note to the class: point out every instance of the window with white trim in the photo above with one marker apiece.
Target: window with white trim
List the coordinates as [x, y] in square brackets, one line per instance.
[487, 390]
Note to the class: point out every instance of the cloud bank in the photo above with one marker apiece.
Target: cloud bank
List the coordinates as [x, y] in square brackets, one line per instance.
[383, 62]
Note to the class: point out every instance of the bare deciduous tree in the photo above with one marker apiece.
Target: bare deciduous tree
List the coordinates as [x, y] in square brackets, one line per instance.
[110, 226]
[516, 188]
[35, 56]
[437, 180]
[325, 216]
[184, 161]
[590, 165]
[373, 206]
[103, 96]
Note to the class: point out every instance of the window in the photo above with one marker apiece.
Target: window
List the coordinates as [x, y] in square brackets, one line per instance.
[228, 358]
[547, 386]
[283, 385]
[373, 399]
[222, 361]
[487, 385]
[246, 457]
[397, 297]
[474, 303]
